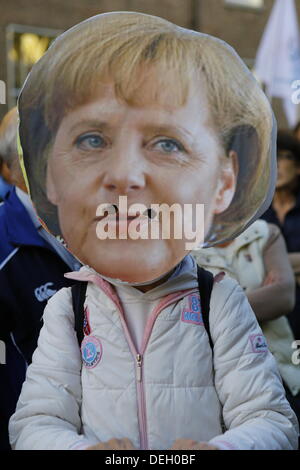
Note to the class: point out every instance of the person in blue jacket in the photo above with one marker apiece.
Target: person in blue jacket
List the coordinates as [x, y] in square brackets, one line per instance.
[32, 265]
[4, 186]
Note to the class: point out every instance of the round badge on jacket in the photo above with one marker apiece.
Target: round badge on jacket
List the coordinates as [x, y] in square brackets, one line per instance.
[91, 351]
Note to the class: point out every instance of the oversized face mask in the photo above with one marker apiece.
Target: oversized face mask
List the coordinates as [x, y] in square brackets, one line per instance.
[135, 179]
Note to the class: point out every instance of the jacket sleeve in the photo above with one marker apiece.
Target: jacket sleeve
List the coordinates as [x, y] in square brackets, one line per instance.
[264, 300]
[256, 413]
[48, 411]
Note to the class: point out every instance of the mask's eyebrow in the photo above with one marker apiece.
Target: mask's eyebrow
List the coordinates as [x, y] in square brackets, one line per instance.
[89, 123]
[167, 129]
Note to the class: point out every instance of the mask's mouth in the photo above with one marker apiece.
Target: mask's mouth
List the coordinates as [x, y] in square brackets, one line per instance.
[112, 213]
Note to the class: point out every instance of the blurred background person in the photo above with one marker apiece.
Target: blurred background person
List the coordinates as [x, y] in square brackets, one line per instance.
[285, 210]
[5, 173]
[10, 171]
[259, 261]
[32, 267]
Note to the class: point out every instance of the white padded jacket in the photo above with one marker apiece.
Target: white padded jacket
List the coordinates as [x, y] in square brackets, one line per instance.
[173, 388]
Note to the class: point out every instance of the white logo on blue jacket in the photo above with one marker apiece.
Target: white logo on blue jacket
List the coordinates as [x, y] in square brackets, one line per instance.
[44, 292]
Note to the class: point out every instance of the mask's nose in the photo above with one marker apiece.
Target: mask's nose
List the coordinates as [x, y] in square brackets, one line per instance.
[125, 173]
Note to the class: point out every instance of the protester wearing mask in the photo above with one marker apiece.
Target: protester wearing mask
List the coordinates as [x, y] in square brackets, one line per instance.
[127, 104]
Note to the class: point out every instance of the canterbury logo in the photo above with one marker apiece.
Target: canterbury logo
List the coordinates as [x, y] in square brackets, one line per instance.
[44, 292]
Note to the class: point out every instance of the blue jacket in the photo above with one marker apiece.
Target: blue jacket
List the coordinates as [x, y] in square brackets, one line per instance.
[4, 188]
[30, 273]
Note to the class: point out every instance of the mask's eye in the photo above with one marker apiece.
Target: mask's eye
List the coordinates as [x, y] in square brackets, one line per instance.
[169, 146]
[90, 142]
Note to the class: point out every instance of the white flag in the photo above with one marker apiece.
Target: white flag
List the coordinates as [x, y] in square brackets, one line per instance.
[278, 58]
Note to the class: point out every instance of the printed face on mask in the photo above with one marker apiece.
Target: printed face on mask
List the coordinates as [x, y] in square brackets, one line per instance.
[152, 154]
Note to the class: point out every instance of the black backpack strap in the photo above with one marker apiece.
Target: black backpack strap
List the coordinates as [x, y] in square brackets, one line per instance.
[205, 284]
[78, 298]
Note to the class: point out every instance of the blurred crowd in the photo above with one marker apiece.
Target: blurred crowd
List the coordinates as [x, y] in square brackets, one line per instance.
[265, 260]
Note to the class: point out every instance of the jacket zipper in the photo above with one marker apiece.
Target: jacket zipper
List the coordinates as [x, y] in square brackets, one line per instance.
[138, 356]
[139, 362]
[141, 402]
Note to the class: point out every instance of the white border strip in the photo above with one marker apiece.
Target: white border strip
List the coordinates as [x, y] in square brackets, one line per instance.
[9, 257]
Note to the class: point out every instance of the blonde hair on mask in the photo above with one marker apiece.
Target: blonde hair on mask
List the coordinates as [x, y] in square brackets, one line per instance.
[117, 45]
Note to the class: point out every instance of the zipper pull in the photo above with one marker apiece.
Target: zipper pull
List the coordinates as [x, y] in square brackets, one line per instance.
[139, 360]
